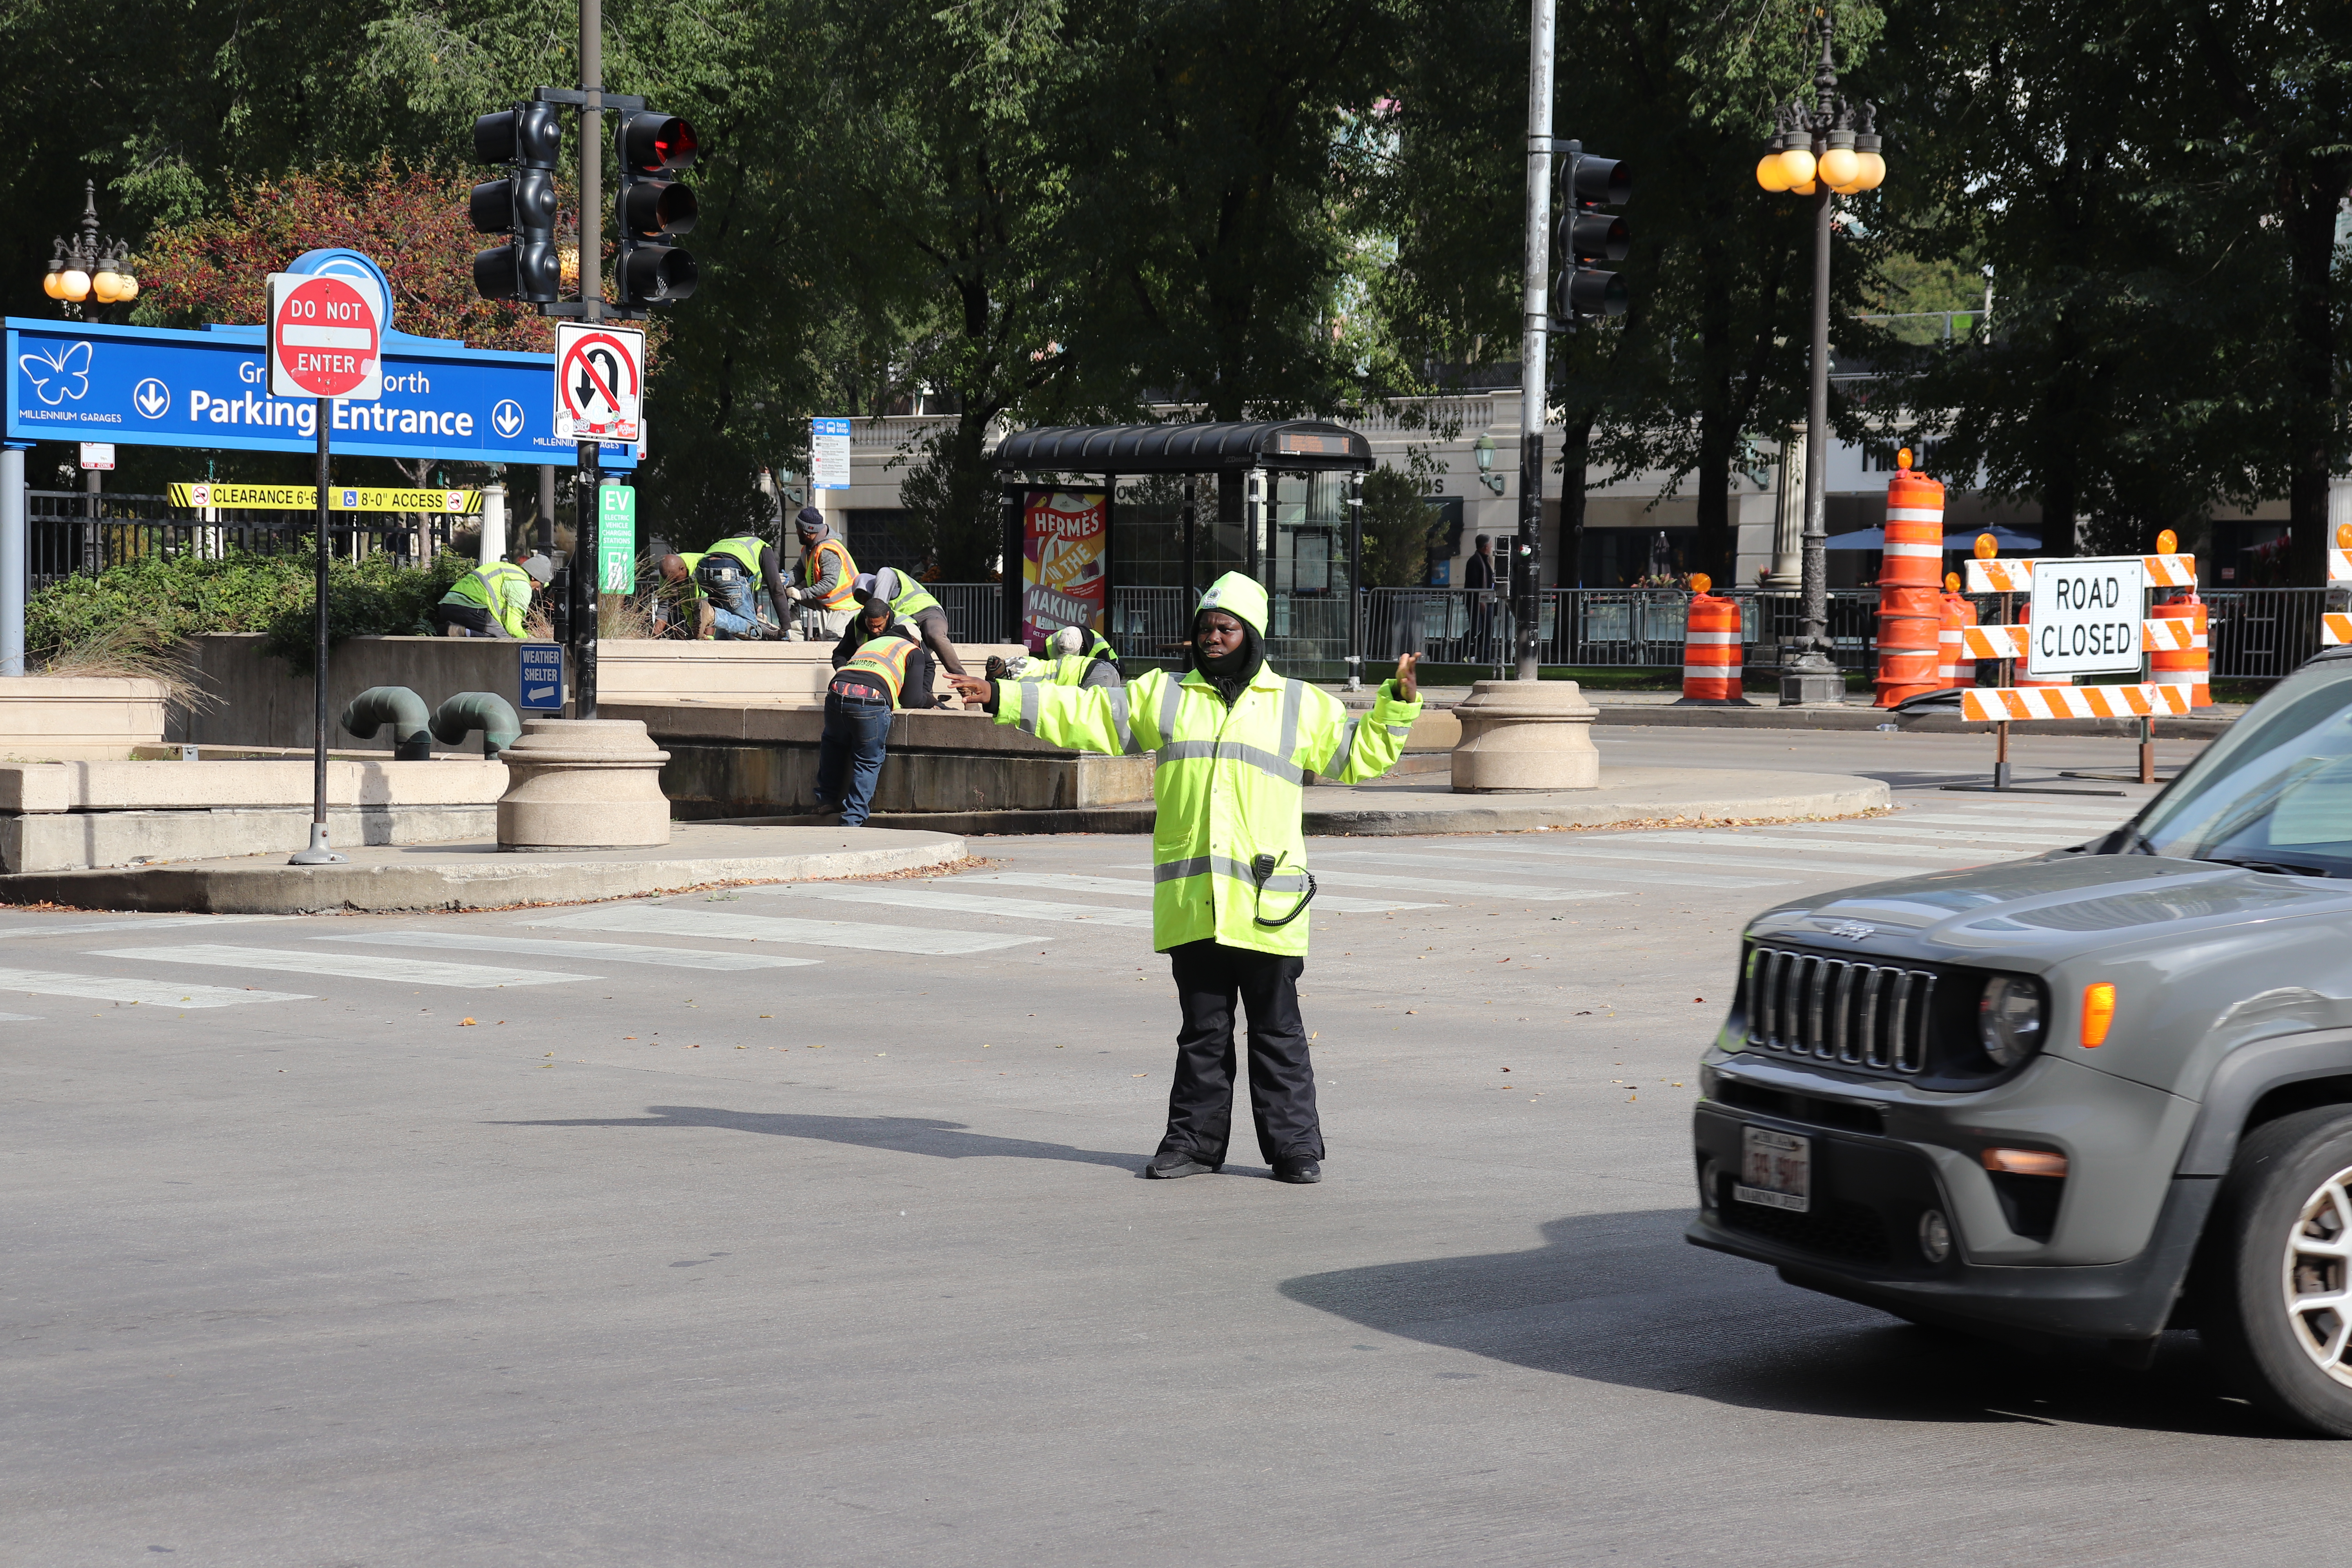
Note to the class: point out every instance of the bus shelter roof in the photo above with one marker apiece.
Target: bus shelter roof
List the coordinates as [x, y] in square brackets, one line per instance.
[1310, 445]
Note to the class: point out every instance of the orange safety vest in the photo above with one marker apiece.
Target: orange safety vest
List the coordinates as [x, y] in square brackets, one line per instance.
[886, 659]
[845, 592]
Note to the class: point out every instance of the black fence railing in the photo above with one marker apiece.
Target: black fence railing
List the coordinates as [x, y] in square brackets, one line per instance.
[74, 533]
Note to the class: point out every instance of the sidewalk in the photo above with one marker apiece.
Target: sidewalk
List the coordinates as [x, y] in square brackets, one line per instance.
[389, 877]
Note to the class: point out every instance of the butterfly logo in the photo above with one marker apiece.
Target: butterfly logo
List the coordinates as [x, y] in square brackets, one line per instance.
[58, 374]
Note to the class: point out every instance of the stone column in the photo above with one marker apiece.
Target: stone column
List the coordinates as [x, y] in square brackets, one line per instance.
[583, 784]
[1788, 524]
[1524, 735]
[493, 523]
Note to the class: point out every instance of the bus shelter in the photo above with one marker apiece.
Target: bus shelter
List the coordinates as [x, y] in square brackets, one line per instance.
[1280, 500]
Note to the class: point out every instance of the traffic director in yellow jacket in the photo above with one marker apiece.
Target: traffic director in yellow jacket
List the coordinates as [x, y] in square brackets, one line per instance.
[1233, 745]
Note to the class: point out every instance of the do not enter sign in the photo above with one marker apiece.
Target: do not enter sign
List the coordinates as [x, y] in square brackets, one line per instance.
[326, 336]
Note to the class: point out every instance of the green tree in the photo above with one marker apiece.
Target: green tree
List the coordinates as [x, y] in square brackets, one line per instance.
[1398, 529]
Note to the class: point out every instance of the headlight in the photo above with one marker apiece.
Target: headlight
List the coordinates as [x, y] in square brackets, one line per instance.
[2009, 1019]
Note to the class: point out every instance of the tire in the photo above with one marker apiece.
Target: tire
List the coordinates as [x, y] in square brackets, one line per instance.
[2274, 1270]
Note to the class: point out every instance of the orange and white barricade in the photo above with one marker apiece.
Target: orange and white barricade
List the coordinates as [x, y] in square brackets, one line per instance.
[2175, 640]
[1713, 656]
[1910, 587]
[2020, 632]
[2144, 700]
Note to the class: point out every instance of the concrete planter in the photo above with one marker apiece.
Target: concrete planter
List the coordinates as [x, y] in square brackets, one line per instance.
[1526, 735]
[76, 717]
[583, 784]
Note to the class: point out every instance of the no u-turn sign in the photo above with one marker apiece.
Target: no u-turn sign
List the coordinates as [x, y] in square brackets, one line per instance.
[599, 380]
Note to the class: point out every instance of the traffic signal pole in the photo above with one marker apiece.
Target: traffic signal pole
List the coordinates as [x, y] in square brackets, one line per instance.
[1535, 343]
[585, 561]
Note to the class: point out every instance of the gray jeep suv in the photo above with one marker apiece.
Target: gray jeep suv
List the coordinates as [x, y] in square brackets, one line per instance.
[2085, 1096]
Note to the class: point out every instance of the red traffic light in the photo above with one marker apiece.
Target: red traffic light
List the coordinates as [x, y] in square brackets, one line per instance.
[651, 141]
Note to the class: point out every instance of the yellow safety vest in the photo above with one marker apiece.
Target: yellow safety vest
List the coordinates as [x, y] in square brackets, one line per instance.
[743, 548]
[500, 587]
[1230, 784]
[884, 658]
[912, 599]
[845, 592]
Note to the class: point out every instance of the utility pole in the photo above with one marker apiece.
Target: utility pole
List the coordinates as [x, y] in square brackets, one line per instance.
[585, 557]
[1535, 343]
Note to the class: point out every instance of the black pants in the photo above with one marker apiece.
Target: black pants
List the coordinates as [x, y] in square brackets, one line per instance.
[1208, 977]
[474, 618]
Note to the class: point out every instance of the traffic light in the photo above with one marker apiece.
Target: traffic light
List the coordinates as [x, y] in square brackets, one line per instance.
[652, 207]
[1587, 234]
[527, 139]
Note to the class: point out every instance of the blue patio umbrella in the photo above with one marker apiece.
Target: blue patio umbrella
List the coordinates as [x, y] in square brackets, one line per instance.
[1876, 539]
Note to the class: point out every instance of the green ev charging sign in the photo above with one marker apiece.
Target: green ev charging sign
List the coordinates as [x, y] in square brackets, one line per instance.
[616, 539]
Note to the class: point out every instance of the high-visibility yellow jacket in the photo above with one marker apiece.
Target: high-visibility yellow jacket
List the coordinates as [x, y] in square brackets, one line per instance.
[1229, 784]
[908, 597]
[500, 587]
[828, 569]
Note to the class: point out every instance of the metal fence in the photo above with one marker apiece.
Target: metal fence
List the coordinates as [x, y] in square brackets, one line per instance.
[74, 533]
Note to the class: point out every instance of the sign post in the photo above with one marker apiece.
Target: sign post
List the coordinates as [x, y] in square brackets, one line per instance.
[616, 539]
[326, 342]
[599, 396]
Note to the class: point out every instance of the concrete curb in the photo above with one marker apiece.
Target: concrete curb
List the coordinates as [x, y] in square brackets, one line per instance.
[1626, 795]
[478, 882]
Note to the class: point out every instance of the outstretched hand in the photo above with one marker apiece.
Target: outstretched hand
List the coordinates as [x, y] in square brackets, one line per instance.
[970, 688]
[1406, 687]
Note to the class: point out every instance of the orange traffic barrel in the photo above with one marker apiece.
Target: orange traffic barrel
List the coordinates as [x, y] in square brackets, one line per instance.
[1959, 614]
[1911, 587]
[1713, 655]
[2191, 665]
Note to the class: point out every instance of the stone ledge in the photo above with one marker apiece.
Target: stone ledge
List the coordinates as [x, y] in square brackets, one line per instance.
[28, 787]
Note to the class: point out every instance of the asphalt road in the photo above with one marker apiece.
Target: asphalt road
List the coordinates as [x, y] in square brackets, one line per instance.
[502, 1239]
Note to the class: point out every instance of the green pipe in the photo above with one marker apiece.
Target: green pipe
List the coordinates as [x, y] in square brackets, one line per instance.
[394, 705]
[493, 715]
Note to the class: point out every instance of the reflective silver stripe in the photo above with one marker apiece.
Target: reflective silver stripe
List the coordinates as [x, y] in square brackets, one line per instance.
[1336, 761]
[1171, 694]
[1399, 731]
[1294, 692]
[1264, 762]
[1223, 866]
[1029, 706]
[1126, 731]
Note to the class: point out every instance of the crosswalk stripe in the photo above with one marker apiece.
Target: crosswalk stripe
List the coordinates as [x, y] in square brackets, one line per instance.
[1474, 890]
[1731, 842]
[2040, 816]
[1132, 888]
[661, 919]
[1991, 834]
[148, 992]
[945, 901]
[144, 922]
[1695, 857]
[351, 966]
[585, 952]
[1598, 873]
[1989, 824]
[17, 1018]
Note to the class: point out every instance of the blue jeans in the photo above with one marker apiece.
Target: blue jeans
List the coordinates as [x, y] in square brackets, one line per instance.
[856, 730]
[732, 610]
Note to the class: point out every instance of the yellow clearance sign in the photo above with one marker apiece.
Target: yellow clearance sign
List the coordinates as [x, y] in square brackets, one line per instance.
[342, 498]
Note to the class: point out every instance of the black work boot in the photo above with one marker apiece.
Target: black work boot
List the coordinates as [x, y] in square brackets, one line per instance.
[1304, 1170]
[1170, 1163]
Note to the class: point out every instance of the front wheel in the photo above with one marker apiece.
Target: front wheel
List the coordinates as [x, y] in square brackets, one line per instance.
[2274, 1271]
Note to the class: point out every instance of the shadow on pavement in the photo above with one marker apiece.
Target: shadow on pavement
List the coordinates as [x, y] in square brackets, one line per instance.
[907, 1134]
[1622, 1299]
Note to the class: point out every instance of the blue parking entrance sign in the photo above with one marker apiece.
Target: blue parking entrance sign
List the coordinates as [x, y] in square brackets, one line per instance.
[542, 677]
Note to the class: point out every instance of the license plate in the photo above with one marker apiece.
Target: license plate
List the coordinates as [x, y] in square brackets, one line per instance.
[1776, 1169]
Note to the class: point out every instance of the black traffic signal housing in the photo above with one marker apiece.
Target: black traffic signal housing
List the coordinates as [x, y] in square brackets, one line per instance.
[652, 207]
[527, 139]
[1586, 234]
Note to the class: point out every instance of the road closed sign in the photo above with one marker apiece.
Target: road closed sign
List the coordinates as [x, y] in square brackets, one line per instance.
[2085, 615]
[325, 336]
[599, 380]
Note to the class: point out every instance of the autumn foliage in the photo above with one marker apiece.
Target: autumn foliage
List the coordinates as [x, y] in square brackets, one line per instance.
[412, 222]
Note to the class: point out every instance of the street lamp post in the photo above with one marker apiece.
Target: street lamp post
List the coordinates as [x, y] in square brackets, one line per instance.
[1824, 150]
[89, 266]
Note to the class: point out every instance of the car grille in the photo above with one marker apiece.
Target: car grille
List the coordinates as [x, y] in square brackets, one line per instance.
[1835, 1010]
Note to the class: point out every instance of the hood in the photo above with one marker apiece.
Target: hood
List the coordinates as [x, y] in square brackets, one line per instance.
[1243, 598]
[2053, 909]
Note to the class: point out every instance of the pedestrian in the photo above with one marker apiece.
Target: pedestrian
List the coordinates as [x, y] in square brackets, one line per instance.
[730, 575]
[912, 603]
[1478, 576]
[1234, 742]
[824, 579]
[492, 600]
[888, 668]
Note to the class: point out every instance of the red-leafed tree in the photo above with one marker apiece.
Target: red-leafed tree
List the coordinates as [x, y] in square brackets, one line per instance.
[412, 222]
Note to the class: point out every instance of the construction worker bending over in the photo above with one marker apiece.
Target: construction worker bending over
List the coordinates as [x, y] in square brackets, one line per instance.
[492, 600]
[889, 669]
[1067, 662]
[824, 580]
[913, 603]
[730, 575]
[1230, 886]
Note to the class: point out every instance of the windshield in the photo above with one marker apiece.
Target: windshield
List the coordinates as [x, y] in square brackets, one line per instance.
[2276, 791]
